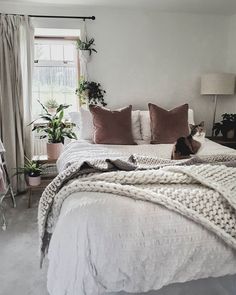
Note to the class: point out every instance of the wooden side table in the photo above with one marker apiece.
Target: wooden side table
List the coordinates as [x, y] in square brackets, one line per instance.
[48, 174]
[41, 187]
[231, 143]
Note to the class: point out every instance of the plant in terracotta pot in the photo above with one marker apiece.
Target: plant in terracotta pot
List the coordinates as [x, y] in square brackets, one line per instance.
[227, 127]
[32, 171]
[90, 92]
[51, 105]
[56, 129]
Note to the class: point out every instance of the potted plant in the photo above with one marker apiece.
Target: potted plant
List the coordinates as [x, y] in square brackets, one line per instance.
[55, 129]
[86, 46]
[227, 126]
[90, 92]
[51, 105]
[32, 171]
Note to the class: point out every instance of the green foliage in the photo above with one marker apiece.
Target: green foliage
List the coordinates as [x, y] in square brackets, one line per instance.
[31, 168]
[228, 123]
[86, 45]
[91, 91]
[55, 129]
[51, 104]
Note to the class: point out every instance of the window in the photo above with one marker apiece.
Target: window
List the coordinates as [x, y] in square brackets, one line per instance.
[55, 71]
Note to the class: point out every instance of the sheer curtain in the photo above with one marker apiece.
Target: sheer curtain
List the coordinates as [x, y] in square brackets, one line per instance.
[16, 43]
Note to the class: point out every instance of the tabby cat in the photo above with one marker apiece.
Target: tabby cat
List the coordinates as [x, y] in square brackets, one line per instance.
[186, 146]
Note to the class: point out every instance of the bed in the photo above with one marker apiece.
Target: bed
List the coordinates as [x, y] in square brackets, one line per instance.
[105, 244]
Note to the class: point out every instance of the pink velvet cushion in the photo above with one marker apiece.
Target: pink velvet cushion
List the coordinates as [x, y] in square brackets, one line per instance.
[112, 127]
[168, 126]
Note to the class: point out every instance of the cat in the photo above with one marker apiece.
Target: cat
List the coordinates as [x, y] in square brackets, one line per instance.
[186, 146]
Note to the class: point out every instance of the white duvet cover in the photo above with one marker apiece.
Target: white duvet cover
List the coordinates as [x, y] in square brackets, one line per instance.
[104, 243]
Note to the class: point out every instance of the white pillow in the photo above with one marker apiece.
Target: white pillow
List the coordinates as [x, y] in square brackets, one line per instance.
[190, 117]
[145, 123]
[84, 122]
[136, 128]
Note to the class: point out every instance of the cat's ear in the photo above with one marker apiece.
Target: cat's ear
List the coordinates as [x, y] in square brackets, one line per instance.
[202, 124]
[191, 126]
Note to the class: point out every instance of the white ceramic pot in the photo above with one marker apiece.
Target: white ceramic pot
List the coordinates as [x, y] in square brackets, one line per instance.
[54, 150]
[34, 180]
[52, 111]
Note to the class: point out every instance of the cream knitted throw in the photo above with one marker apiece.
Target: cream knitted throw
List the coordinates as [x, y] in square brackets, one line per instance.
[210, 197]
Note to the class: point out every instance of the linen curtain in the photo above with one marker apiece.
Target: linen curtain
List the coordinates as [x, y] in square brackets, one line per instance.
[16, 42]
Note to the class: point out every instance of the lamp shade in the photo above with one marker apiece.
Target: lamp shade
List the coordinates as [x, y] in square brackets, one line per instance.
[218, 84]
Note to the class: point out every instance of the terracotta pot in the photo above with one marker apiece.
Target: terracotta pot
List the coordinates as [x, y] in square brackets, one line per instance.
[54, 150]
[34, 180]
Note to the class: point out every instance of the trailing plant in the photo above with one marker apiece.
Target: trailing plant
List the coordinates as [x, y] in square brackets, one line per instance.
[91, 92]
[31, 168]
[51, 104]
[228, 123]
[55, 128]
[86, 45]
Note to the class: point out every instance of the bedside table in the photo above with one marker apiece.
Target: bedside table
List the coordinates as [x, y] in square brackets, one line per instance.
[231, 143]
[48, 174]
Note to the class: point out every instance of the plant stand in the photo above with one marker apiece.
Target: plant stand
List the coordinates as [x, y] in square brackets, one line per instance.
[49, 173]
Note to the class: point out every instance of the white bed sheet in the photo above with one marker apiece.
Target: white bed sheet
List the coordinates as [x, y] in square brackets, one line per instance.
[104, 243]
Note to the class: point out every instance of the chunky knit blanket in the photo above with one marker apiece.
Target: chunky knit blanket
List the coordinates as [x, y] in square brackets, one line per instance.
[210, 197]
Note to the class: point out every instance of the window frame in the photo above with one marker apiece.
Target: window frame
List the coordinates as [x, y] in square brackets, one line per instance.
[65, 63]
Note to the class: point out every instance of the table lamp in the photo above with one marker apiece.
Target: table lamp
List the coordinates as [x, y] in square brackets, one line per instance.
[217, 84]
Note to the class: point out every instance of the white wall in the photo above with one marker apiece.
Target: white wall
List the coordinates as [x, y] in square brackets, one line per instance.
[148, 56]
[231, 60]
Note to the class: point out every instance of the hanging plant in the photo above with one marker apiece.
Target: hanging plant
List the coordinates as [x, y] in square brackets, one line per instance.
[90, 92]
[86, 45]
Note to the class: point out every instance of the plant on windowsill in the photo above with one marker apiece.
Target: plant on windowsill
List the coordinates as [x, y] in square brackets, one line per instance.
[55, 129]
[51, 105]
[86, 46]
[90, 92]
[227, 127]
[32, 171]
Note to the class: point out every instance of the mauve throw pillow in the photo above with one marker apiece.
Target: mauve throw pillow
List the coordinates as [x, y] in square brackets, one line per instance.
[112, 127]
[168, 126]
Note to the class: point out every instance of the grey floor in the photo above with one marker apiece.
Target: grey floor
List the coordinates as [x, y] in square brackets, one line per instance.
[19, 260]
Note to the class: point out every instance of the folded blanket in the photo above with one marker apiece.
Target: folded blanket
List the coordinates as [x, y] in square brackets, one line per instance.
[210, 199]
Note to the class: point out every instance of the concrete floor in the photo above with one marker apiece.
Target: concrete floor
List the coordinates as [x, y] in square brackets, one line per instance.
[19, 259]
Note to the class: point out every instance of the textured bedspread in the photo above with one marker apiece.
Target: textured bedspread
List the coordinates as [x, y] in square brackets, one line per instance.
[83, 150]
[106, 242]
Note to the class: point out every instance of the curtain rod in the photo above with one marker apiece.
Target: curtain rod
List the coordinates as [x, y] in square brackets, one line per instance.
[63, 16]
[58, 16]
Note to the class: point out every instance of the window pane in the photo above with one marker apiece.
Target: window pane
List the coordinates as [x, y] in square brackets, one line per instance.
[57, 52]
[42, 52]
[69, 52]
[53, 78]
